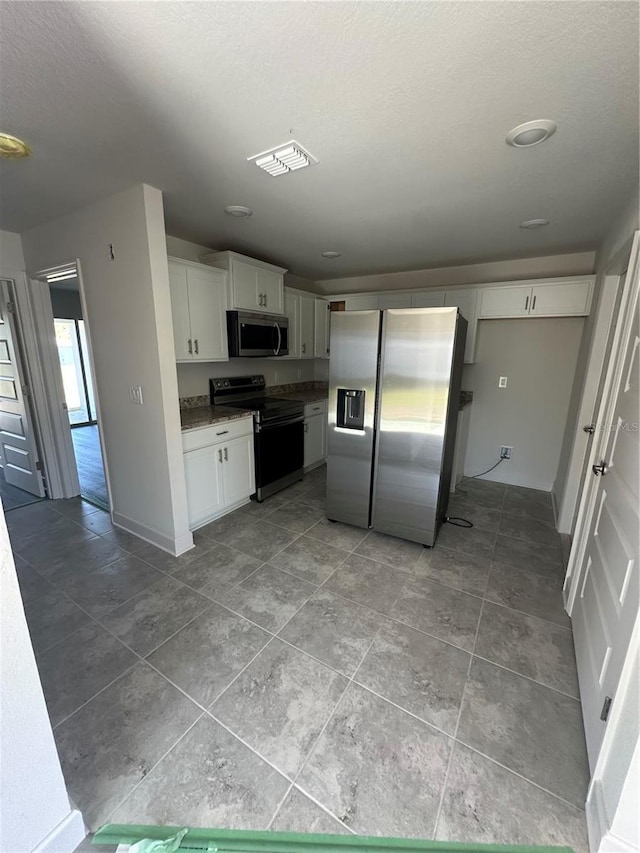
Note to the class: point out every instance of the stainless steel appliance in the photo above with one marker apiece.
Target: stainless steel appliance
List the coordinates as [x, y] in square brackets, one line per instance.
[278, 425]
[394, 390]
[253, 335]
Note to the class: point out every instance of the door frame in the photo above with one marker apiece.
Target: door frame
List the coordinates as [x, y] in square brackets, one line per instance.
[628, 258]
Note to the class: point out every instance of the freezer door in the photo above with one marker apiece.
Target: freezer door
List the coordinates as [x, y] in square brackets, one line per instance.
[353, 368]
[417, 360]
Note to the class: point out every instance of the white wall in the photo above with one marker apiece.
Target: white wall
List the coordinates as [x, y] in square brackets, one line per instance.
[34, 804]
[193, 379]
[539, 358]
[11, 255]
[128, 310]
[581, 263]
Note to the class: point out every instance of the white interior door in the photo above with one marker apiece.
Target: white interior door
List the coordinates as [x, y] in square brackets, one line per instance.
[606, 605]
[18, 450]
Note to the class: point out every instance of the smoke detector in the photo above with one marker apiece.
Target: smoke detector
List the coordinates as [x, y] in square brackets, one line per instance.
[238, 211]
[283, 158]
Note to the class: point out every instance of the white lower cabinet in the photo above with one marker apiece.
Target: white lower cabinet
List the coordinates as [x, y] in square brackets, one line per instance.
[315, 433]
[219, 469]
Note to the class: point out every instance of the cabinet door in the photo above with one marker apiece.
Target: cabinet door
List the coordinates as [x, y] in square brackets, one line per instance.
[557, 300]
[270, 287]
[207, 309]
[203, 473]
[394, 300]
[292, 312]
[244, 286]
[466, 300]
[307, 321]
[238, 470]
[368, 302]
[314, 439]
[425, 299]
[505, 302]
[180, 311]
[321, 327]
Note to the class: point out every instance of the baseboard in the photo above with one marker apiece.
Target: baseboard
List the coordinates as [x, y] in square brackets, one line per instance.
[612, 843]
[65, 837]
[315, 465]
[597, 823]
[172, 545]
[226, 511]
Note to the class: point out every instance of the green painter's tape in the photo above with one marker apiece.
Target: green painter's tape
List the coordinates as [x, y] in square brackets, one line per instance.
[246, 841]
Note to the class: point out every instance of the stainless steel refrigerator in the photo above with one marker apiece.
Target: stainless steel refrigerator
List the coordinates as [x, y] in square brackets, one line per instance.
[394, 393]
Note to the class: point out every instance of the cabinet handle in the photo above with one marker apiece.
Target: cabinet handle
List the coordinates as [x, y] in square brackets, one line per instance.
[306, 427]
[220, 456]
[224, 432]
[533, 304]
[266, 300]
[526, 304]
[190, 347]
[304, 349]
[197, 348]
[226, 455]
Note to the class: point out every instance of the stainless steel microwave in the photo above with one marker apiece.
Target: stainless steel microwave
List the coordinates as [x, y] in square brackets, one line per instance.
[254, 335]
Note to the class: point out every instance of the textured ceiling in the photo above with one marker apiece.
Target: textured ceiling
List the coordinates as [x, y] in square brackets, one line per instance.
[405, 105]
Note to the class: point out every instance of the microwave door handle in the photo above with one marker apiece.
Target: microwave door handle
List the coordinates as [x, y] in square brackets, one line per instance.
[277, 349]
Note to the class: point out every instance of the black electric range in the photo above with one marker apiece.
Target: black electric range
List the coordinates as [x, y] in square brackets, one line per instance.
[278, 430]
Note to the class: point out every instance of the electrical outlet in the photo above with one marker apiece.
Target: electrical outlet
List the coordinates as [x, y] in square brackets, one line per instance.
[502, 382]
[275, 377]
[135, 394]
[505, 452]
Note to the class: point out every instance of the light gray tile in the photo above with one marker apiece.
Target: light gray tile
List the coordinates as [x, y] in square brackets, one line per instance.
[231, 525]
[470, 540]
[125, 540]
[530, 646]
[467, 572]
[77, 667]
[111, 585]
[32, 584]
[74, 508]
[97, 522]
[208, 779]
[368, 582]
[316, 497]
[297, 517]
[482, 492]
[487, 804]
[529, 592]
[300, 814]
[111, 743]
[421, 674]
[530, 503]
[261, 539]
[269, 597]
[529, 728]
[379, 770]
[218, 568]
[152, 616]
[337, 534]
[390, 550]
[160, 559]
[439, 610]
[542, 559]
[538, 532]
[205, 655]
[265, 508]
[480, 516]
[67, 548]
[334, 630]
[51, 618]
[37, 519]
[280, 703]
[309, 559]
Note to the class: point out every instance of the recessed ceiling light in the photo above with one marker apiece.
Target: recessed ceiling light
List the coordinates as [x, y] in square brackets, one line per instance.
[532, 224]
[283, 158]
[531, 133]
[330, 256]
[238, 211]
[12, 148]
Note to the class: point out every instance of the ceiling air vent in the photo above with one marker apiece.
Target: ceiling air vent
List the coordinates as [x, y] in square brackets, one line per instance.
[283, 158]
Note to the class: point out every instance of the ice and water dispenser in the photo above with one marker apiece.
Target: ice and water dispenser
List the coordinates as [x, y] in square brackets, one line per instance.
[350, 409]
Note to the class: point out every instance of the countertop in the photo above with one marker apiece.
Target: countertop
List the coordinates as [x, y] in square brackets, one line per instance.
[313, 395]
[201, 416]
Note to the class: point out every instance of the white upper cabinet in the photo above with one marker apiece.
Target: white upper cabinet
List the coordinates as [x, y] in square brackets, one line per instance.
[394, 300]
[427, 299]
[307, 323]
[466, 299]
[300, 310]
[321, 328]
[368, 302]
[565, 298]
[253, 285]
[198, 307]
[504, 302]
[292, 312]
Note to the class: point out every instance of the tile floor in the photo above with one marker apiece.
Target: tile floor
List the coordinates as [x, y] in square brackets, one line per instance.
[293, 674]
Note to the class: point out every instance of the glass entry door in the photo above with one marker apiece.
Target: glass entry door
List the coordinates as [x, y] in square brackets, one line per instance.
[73, 352]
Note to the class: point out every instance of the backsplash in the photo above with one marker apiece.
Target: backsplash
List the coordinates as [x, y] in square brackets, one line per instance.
[193, 379]
[290, 388]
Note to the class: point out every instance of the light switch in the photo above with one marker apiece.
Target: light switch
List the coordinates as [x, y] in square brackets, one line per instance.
[502, 383]
[135, 394]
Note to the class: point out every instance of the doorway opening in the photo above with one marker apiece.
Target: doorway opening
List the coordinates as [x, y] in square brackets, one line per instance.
[75, 364]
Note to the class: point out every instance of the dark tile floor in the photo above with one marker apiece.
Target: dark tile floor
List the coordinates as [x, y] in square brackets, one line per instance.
[88, 453]
[293, 674]
[12, 496]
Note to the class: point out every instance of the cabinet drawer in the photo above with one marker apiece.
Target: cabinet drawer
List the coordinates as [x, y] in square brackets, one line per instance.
[312, 409]
[226, 431]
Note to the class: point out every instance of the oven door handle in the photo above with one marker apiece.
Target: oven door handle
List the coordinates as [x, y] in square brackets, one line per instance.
[276, 351]
[275, 424]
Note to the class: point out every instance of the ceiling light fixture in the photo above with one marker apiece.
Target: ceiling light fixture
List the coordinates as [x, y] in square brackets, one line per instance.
[531, 133]
[12, 148]
[330, 256]
[532, 224]
[238, 211]
[284, 158]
